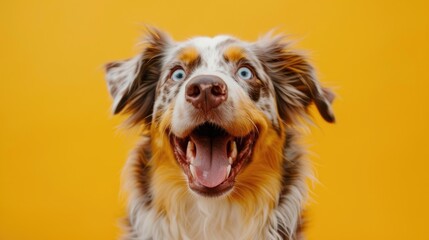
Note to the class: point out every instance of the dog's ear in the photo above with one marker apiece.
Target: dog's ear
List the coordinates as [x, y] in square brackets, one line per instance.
[294, 79]
[132, 82]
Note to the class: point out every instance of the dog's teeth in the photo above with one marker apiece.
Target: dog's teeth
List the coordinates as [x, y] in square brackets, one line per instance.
[190, 149]
[233, 150]
[193, 170]
[191, 160]
[228, 170]
[230, 160]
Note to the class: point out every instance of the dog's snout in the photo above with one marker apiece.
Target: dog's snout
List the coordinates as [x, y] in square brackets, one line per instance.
[206, 92]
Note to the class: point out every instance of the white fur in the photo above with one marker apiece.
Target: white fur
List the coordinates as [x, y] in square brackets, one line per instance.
[205, 218]
[121, 78]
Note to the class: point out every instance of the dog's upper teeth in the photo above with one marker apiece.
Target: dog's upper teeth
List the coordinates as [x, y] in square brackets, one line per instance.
[228, 170]
[190, 149]
[233, 150]
[193, 170]
[230, 160]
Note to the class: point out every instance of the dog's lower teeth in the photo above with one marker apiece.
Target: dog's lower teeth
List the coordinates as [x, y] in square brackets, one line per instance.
[193, 170]
[190, 149]
[228, 170]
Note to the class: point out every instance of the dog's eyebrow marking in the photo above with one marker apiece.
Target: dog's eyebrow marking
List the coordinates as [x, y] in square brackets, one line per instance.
[234, 54]
[189, 56]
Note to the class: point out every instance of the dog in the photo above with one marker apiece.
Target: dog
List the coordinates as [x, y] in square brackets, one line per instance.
[219, 155]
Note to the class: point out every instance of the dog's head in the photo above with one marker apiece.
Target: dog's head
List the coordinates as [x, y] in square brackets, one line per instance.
[216, 108]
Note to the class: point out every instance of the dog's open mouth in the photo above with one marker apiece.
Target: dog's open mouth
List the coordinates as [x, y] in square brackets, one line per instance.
[211, 157]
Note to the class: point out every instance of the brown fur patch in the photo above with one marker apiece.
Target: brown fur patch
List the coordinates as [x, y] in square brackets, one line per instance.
[294, 80]
[234, 54]
[189, 56]
[255, 88]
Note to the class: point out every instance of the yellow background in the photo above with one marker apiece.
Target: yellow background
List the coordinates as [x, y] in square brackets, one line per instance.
[61, 153]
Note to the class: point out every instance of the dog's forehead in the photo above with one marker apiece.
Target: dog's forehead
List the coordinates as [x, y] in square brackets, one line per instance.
[210, 42]
[209, 49]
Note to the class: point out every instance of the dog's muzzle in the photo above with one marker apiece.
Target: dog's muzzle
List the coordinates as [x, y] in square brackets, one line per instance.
[210, 156]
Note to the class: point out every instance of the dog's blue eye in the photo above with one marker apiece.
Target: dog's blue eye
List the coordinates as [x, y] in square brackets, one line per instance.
[245, 73]
[178, 75]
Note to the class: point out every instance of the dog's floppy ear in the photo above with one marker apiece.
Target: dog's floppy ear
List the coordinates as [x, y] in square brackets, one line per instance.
[294, 80]
[132, 82]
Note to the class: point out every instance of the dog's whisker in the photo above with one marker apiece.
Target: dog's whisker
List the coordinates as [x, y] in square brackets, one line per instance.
[255, 127]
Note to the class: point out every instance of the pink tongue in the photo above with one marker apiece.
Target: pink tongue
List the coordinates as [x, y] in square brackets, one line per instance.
[211, 159]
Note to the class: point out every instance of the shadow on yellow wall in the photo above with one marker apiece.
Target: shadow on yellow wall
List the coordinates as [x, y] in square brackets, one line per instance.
[61, 155]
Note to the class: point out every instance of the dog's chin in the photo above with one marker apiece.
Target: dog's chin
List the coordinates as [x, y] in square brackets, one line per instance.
[211, 158]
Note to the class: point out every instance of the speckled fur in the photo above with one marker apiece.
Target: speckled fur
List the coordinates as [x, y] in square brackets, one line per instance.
[268, 198]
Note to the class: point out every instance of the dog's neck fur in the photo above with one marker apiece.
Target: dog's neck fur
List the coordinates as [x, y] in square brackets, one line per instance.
[183, 215]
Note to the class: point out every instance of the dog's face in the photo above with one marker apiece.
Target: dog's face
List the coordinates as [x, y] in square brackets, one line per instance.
[217, 106]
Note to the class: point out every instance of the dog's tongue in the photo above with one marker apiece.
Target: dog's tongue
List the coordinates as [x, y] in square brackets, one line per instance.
[211, 160]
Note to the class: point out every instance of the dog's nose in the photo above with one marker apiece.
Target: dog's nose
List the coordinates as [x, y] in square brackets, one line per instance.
[206, 92]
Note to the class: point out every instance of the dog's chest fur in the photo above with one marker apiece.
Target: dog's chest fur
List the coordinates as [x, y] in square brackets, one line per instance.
[207, 219]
